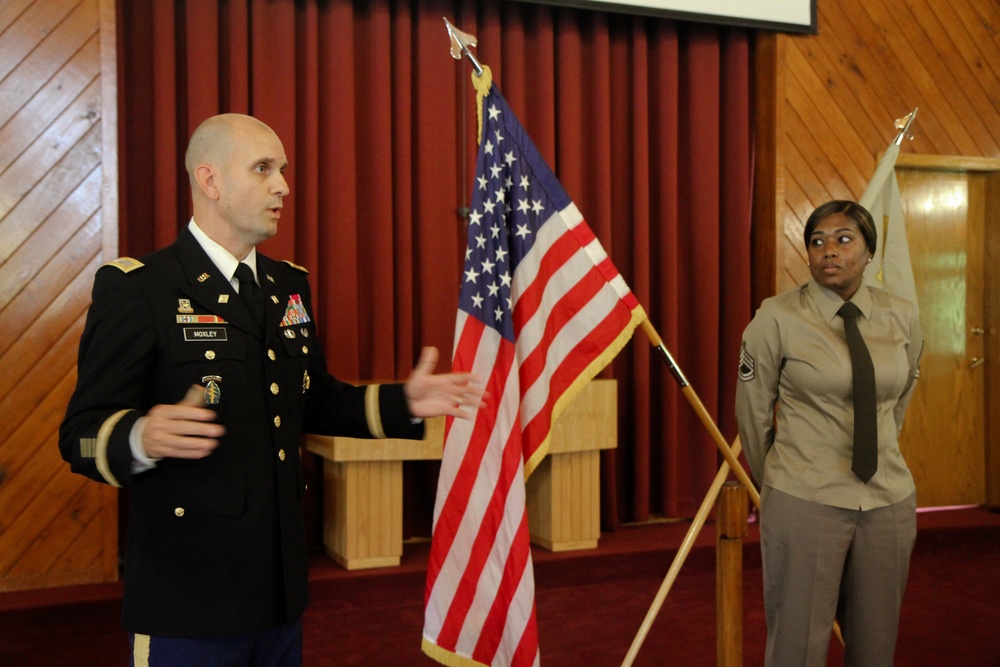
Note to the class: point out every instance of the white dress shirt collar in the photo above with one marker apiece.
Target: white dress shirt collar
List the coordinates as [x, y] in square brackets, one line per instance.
[222, 258]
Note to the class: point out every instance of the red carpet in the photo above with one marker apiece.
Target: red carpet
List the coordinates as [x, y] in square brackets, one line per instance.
[590, 605]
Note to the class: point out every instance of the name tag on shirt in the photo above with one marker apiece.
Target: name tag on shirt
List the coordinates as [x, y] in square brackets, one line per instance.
[193, 334]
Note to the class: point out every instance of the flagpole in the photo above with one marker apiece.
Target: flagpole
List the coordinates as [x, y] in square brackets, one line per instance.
[699, 408]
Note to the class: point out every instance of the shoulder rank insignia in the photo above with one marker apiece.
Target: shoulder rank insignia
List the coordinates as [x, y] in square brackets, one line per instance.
[125, 264]
[747, 368]
[296, 266]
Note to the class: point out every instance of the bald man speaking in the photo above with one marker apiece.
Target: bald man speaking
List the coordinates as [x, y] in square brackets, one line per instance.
[199, 369]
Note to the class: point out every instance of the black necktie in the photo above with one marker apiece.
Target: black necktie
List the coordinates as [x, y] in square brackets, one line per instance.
[250, 293]
[865, 458]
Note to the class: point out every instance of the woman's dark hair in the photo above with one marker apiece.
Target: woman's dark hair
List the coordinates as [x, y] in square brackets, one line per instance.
[853, 210]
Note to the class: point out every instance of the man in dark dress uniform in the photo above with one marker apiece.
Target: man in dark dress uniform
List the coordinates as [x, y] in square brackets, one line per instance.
[199, 369]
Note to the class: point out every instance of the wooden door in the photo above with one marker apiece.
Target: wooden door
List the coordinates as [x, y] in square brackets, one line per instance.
[946, 206]
[58, 223]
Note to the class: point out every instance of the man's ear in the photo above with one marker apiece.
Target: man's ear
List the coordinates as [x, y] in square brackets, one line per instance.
[208, 180]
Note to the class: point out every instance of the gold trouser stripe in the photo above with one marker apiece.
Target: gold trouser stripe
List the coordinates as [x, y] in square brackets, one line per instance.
[103, 436]
[140, 650]
[372, 412]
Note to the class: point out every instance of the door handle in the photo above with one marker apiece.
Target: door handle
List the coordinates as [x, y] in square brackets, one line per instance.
[976, 361]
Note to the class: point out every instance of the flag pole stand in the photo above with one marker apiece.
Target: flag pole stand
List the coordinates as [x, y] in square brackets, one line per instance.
[731, 528]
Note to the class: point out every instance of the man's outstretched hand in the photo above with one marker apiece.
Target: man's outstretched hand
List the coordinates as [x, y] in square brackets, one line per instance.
[455, 394]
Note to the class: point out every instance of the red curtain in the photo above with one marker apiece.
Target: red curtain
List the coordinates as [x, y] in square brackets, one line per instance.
[645, 120]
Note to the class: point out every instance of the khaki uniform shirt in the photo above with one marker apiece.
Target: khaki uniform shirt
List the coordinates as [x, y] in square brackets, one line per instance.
[795, 356]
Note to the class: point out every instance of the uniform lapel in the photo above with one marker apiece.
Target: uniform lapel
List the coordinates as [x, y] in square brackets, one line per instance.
[274, 294]
[208, 288]
[277, 293]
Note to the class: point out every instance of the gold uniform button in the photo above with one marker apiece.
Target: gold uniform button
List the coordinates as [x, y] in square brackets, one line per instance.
[277, 422]
[305, 349]
[179, 511]
[281, 454]
[210, 354]
[274, 388]
[271, 355]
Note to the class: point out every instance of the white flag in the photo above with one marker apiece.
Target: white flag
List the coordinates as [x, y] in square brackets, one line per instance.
[890, 269]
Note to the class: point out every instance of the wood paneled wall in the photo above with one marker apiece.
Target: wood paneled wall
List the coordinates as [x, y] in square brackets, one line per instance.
[58, 222]
[827, 102]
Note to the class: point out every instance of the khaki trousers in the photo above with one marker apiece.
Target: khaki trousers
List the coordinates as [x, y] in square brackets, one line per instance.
[821, 562]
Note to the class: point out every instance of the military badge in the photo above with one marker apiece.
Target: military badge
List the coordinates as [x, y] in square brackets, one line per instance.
[200, 319]
[213, 392]
[747, 369]
[295, 312]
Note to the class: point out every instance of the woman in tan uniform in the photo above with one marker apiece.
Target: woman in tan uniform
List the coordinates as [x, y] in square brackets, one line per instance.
[837, 524]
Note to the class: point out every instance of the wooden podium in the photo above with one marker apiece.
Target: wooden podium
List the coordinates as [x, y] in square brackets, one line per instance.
[564, 492]
[363, 483]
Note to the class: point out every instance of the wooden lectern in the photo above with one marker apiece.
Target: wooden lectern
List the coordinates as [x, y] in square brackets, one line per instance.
[363, 483]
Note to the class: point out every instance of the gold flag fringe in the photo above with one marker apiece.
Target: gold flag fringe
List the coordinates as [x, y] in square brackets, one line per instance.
[482, 83]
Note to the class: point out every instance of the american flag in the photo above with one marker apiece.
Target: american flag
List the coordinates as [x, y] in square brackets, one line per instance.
[542, 311]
